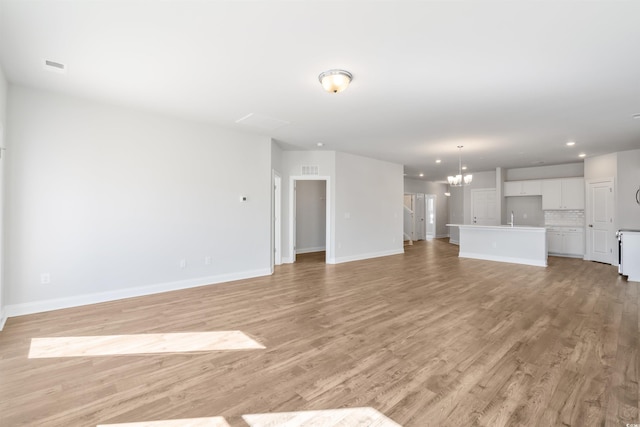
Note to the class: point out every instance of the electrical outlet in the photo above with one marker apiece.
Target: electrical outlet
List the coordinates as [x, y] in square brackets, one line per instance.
[45, 278]
[208, 260]
[183, 264]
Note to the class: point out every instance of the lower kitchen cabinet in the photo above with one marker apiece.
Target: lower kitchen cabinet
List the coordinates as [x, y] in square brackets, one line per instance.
[565, 241]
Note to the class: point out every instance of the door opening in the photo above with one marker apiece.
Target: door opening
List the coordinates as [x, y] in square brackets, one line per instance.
[277, 219]
[310, 218]
[600, 236]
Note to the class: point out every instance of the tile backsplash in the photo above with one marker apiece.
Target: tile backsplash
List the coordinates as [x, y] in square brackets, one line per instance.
[570, 218]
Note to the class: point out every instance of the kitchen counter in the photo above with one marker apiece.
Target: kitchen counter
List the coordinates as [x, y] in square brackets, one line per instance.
[504, 243]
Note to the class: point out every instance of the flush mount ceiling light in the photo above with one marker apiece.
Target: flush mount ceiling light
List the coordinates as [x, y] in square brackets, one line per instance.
[335, 81]
[571, 143]
[459, 180]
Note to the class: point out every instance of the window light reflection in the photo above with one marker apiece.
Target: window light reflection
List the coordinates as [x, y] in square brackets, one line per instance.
[190, 422]
[364, 417]
[113, 345]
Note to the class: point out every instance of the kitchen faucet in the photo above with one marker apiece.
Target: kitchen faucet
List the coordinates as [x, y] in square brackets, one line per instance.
[511, 223]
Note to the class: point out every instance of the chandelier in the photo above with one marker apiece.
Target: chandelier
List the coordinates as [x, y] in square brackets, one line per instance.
[459, 180]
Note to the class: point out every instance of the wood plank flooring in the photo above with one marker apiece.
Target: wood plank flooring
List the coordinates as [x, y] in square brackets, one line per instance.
[425, 338]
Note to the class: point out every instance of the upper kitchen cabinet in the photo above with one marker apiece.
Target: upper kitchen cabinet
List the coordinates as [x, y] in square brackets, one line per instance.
[522, 188]
[563, 194]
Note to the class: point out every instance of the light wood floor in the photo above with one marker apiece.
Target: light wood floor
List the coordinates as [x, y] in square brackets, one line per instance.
[425, 338]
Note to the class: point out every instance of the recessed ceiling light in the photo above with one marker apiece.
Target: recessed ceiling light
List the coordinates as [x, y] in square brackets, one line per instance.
[438, 160]
[582, 155]
[464, 168]
[421, 175]
[571, 143]
[320, 144]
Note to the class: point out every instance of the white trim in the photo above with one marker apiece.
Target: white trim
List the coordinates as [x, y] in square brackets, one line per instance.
[309, 250]
[454, 241]
[512, 260]
[292, 215]
[360, 257]
[3, 318]
[86, 299]
[287, 260]
[442, 236]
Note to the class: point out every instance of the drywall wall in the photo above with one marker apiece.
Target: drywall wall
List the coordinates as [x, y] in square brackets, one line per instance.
[542, 172]
[292, 162]
[311, 216]
[3, 120]
[416, 186]
[456, 212]
[368, 208]
[598, 167]
[106, 202]
[627, 184]
[527, 210]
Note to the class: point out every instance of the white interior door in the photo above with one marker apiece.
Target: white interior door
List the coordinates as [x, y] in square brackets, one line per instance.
[600, 228]
[483, 207]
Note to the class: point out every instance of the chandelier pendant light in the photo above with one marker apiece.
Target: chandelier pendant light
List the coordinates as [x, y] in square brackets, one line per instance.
[459, 180]
[335, 81]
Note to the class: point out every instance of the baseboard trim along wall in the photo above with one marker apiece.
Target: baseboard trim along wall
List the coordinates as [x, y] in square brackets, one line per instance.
[360, 257]
[86, 299]
[309, 250]
[3, 318]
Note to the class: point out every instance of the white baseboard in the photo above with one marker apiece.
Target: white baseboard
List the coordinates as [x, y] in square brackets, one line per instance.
[287, 260]
[3, 318]
[512, 260]
[86, 299]
[360, 257]
[309, 250]
[442, 236]
[454, 242]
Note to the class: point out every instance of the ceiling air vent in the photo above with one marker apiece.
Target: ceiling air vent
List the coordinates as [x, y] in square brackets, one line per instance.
[58, 67]
[310, 170]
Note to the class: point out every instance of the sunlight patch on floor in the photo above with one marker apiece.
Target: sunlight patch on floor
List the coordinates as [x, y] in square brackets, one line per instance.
[190, 422]
[361, 417]
[112, 345]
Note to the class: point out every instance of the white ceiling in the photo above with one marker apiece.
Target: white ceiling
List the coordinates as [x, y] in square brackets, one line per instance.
[512, 81]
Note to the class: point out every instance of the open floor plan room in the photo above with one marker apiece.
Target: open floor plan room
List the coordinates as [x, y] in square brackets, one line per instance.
[420, 339]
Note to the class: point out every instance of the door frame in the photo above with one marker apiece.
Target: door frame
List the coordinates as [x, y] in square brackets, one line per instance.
[433, 197]
[588, 216]
[276, 258]
[329, 256]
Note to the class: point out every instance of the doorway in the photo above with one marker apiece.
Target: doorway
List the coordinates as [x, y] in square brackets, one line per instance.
[309, 211]
[599, 214]
[483, 207]
[430, 201]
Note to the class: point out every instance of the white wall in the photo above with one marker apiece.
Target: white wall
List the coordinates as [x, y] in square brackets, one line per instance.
[311, 218]
[3, 155]
[627, 184]
[527, 210]
[368, 208]
[544, 172]
[107, 201]
[605, 166]
[416, 186]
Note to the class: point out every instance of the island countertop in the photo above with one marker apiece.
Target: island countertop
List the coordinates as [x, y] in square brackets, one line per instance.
[504, 243]
[501, 227]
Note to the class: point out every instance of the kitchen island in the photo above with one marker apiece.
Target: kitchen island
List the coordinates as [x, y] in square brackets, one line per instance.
[504, 243]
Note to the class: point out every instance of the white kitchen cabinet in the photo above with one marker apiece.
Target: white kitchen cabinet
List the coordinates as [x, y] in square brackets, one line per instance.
[523, 188]
[565, 241]
[563, 194]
